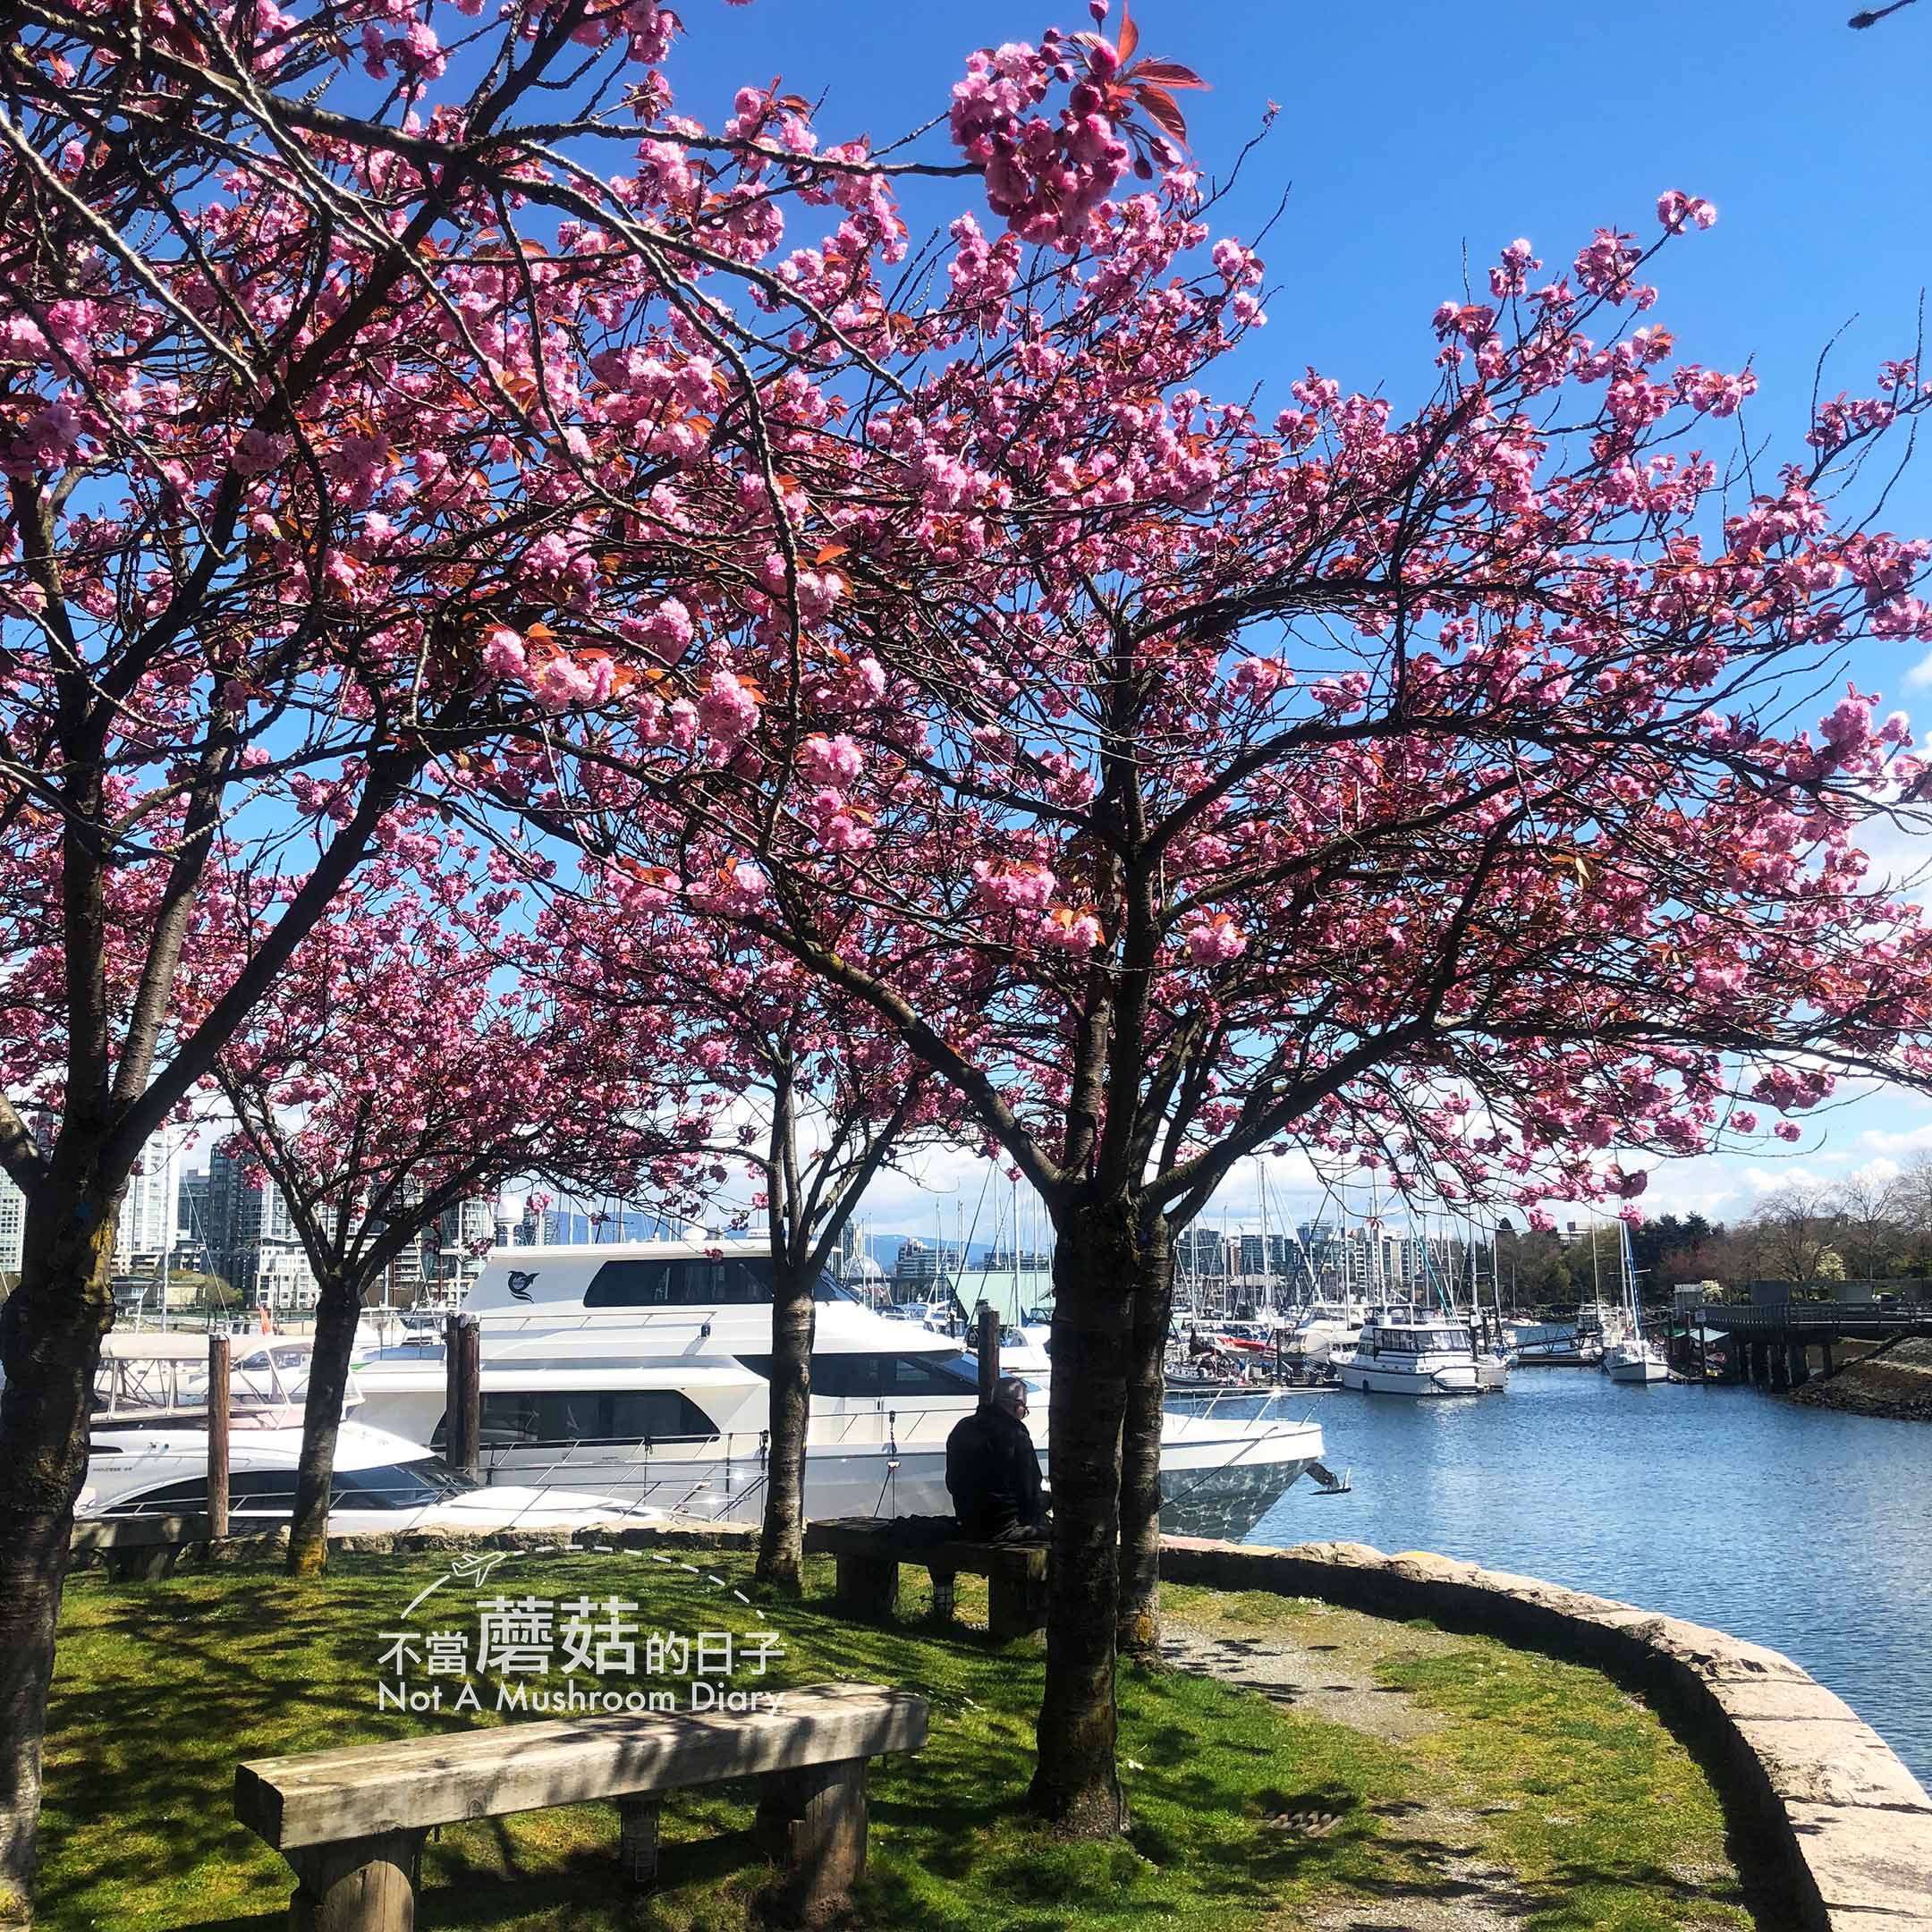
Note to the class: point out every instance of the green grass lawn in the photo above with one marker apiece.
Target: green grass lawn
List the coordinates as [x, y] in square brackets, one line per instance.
[1551, 1771]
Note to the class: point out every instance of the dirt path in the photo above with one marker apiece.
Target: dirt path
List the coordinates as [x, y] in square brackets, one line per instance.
[1329, 1675]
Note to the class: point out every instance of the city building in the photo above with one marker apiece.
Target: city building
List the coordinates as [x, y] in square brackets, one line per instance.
[13, 1222]
[921, 1263]
[1201, 1254]
[450, 1261]
[251, 1239]
[149, 1219]
[190, 1215]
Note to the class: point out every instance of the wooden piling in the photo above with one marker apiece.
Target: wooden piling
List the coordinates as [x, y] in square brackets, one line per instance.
[986, 1342]
[218, 1434]
[462, 1357]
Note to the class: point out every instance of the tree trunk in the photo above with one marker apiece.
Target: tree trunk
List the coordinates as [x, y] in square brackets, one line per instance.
[1095, 1266]
[337, 1313]
[50, 1334]
[1137, 1632]
[795, 1321]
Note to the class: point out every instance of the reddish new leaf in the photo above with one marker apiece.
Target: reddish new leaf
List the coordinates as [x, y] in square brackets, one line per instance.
[1167, 73]
[1161, 107]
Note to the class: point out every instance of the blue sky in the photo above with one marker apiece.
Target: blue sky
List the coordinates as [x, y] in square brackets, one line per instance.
[1410, 133]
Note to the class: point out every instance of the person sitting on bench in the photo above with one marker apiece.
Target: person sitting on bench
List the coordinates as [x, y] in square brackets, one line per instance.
[992, 1470]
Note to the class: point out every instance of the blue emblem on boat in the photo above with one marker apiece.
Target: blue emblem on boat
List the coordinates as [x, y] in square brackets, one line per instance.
[519, 1283]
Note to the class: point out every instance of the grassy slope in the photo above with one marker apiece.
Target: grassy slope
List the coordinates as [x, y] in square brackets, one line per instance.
[1574, 1784]
[163, 1687]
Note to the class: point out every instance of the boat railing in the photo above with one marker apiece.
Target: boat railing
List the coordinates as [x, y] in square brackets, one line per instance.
[154, 1380]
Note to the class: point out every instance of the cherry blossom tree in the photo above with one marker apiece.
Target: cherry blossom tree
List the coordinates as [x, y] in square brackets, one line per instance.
[376, 384]
[824, 1100]
[414, 1053]
[1415, 788]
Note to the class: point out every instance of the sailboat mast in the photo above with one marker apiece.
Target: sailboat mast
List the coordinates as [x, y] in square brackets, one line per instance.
[1016, 1310]
[1261, 1191]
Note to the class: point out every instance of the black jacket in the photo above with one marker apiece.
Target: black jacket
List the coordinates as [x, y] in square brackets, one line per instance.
[993, 1474]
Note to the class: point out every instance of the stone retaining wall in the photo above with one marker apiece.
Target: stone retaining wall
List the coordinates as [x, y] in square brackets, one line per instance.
[1851, 1823]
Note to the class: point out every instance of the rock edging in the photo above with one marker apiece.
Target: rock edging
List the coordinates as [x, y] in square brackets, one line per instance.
[156, 1546]
[1851, 1825]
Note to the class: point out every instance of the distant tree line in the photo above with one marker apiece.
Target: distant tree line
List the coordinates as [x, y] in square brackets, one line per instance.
[1870, 1227]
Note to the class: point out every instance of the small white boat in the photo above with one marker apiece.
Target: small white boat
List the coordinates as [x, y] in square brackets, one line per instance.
[1634, 1359]
[1323, 1328]
[1402, 1352]
[382, 1483]
[149, 1446]
[1628, 1355]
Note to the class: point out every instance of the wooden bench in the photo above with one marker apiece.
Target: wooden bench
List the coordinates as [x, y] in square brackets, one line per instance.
[353, 1822]
[869, 1550]
[138, 1548]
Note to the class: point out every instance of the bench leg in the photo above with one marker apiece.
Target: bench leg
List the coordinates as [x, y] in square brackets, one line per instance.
[813, 1822]
[945, 1584]
[140, 1565]
[1016, 1605]
[868, 1586]
[361, 1884]
[637, 1840]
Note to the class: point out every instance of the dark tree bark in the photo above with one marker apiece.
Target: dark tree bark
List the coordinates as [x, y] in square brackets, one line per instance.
[807, 1210]
[1096, 1262]
[781, 1557]
[795, 1321]
[50, 1335]
[1138, 1622]
[337, 1311]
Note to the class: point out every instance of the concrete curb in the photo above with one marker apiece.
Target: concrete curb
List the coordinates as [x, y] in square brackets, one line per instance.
[1850, 1824]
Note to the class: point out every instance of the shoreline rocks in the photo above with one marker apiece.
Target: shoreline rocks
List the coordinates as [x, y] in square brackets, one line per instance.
[1896, 1385]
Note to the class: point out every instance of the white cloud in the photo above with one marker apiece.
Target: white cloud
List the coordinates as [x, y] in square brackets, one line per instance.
[1770, 1179]
[1920, 674]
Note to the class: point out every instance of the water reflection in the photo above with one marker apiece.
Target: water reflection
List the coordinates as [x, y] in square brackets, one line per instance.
[1799, 1528]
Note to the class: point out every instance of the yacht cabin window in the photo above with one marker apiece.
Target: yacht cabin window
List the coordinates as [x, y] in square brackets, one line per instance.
[1427, 1341]
[884, 1378]
[695, 1282]
[521, 1419]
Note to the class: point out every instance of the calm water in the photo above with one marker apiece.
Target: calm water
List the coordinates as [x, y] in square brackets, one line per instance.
[1805, 1531]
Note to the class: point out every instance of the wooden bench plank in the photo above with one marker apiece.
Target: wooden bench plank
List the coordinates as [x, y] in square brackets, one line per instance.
[863, 1537]
[138, 1532]
[368, 1790]
[870, 1550]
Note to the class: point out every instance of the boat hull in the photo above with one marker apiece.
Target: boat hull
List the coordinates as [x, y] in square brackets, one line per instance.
[1637, 1373]
[1216, 1482]
[1373, 1378]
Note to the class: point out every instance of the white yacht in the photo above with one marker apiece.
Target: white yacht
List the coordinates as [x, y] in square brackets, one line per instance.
[1323, 1329]
[148, 1448]
[1404, 1351]
[641, 1370]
